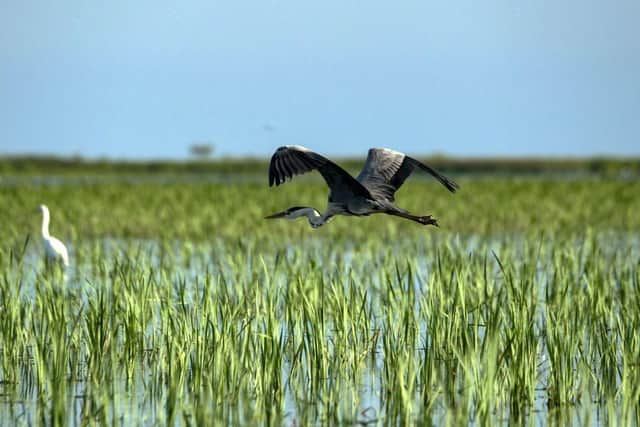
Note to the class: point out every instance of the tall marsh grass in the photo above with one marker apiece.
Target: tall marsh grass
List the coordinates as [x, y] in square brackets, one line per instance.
[182, 306]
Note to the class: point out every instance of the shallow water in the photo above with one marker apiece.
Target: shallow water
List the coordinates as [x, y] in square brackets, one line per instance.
[106, 179]
[185, 267]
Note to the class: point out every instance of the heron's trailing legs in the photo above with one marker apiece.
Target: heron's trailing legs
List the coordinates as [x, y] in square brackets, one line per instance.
[424, 220]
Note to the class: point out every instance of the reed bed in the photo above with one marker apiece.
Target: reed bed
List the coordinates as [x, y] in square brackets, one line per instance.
[182, 306]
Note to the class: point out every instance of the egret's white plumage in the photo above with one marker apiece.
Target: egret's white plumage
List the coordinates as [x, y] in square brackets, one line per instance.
[54, 248]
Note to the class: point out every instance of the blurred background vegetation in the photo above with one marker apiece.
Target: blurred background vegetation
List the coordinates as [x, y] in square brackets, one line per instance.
[203, 163]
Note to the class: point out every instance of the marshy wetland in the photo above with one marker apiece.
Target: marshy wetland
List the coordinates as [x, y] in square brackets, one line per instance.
[183, 306]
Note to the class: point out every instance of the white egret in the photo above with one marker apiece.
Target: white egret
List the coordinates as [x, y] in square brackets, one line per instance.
[54, 249]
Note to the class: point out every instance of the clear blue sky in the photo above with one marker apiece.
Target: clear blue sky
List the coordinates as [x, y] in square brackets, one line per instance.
[145, 79]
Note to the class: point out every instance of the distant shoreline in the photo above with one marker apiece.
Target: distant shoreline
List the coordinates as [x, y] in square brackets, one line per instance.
[45, 165]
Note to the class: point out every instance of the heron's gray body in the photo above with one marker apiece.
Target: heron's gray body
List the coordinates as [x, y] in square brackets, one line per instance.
[373, 191]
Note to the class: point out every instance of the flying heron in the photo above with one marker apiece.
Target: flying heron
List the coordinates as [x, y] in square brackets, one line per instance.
[371, 192]
[54, 248]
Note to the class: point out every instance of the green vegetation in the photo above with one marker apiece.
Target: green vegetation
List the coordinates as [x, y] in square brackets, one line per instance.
[184, 307]
[38, 165]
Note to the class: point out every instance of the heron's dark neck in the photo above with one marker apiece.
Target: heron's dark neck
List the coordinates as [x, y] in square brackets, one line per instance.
[315, 218]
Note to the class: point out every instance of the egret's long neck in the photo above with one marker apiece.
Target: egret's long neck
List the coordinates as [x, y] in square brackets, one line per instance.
[45, 224]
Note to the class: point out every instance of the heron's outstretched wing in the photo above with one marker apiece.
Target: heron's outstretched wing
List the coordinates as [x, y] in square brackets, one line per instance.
[386, 170]
[291, 160]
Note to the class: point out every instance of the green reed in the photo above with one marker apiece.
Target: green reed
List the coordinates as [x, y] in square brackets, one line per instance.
[183, 306]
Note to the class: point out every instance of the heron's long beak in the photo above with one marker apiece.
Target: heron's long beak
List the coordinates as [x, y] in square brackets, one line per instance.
[276, 215]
